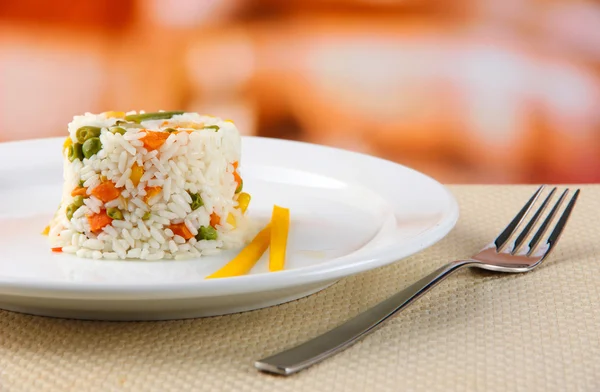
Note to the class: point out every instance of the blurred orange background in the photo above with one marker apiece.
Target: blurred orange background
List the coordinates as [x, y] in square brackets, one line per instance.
[467, 91]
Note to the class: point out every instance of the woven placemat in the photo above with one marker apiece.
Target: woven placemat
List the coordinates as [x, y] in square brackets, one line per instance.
[538, 331]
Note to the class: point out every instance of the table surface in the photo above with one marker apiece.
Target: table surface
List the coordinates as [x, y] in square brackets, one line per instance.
[538, 331]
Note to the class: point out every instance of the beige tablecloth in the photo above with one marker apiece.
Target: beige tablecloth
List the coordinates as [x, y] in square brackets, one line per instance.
[475, 331]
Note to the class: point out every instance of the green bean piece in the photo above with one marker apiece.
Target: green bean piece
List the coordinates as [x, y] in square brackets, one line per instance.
[215, 127]
[170, 130]
[81, 183]
[71, 208]
[91, 147]
[87, 132]
[78, 201]
[146, 216]
[197, 201]
[206, 233]
[114, 213]
[240, 186]
[119, 130]
[138, 118]
[75, 151]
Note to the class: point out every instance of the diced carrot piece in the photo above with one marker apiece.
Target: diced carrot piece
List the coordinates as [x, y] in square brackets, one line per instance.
[106, 191]
[181, 230]
[235, 165]
[154, 140]
[237, 178]
[214, 219]
[79, 191]
[56, 250]
[151, 191]
[99, 221]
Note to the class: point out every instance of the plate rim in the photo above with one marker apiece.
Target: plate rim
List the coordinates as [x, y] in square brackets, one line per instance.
[331, 270]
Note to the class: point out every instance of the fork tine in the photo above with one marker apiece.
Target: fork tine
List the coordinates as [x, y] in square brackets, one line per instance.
[503, 238]
[562, 222]
[532, 222]
[544, 227]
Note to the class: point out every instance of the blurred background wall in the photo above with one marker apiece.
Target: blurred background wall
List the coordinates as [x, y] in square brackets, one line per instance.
[468, 91]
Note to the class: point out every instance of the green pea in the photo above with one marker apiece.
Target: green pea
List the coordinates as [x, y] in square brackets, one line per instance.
[87, 132]
[78, 201]
[81, 183]
[240, 186]
[170, 130]
[114, 213]
[119, 130]
[138, 118]
[71, 208]
[206, 233]
[196, 201]
[75, 151]
[91, 147]
[146, 216]
[215, 127]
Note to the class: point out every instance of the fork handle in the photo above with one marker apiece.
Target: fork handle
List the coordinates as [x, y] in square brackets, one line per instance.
[323, 346]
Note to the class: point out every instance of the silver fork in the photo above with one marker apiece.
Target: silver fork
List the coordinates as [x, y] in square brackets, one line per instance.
[505, 254]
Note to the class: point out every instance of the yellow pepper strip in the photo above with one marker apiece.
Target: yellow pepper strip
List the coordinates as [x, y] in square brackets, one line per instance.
[280, 221]
[46, 230]
[245, 260]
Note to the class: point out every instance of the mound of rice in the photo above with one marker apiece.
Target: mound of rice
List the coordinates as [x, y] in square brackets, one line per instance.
[150, 186]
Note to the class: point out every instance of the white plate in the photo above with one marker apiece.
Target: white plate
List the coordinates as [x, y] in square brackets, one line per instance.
[350, 213]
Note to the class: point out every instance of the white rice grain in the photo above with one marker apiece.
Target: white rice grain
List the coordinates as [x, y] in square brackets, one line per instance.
[123, 178]
[156, 235]
[178, 199]
[190, 227]
[134, 253]
[128, 237]
[94, 244]
[178, 210]
[156, 256]
[122, 224]
[125, 144]
[123, 162]
[167, 214]
[153, 243]
[133, 135]
[113, 203]
[173, 246]
[144, 230]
